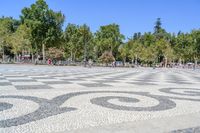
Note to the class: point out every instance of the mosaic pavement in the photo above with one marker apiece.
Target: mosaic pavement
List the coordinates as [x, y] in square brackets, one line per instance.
[56, 99]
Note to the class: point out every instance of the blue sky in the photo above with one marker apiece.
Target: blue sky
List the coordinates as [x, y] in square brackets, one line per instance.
[132, 15]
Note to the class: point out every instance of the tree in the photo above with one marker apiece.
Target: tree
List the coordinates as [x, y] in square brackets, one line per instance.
[45, 24]
[195, 45]
[55, 53]
[107, 57]
[183, 47]
[123, 50]
[71, 38]
[157, 27]
[159, 32]
[21, 40]
[7, 27]
[86, 37]
[108, 38]
[78, 41]
[135, 51]
[136, 36]
[164, 50]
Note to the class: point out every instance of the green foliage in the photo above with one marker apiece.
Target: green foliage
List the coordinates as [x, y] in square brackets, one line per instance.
[196, 44]
[45, 24]
[40, 29]
[157, 27]
[78, 41]
[136, 49]
[21, 39]
[123, 50]
[71, 41]
[108, 38]
[7, 27]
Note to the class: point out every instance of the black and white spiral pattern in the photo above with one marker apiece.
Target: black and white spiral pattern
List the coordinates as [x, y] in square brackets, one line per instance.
[115, 100]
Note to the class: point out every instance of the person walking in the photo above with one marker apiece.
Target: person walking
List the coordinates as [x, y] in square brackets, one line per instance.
[90, 62]
[49, 61]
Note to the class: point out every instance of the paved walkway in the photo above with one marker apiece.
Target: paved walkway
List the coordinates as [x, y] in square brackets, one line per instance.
[75, 99]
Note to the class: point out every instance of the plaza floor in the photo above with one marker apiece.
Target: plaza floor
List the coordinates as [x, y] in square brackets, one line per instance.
[46, 99]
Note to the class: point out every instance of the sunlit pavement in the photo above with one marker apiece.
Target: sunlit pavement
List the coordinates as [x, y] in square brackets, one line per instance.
[40, 99]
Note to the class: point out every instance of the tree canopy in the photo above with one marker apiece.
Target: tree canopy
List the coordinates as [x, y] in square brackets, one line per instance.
[40, 30]
[45, 24]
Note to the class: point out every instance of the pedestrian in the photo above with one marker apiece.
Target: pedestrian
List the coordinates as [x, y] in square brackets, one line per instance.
[49, 61]
[90, 63]
[37, 60]
[114, 64]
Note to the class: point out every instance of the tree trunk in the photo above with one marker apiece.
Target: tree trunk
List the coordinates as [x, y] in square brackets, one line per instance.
[195, 63]
[132, 62]
[15, 58]
[180, 61]
[136, 60]
[3, 57]
[124, 60]
[165, 62]
[74, 56]
[32, 60]
[71, 56]
[43, 53]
